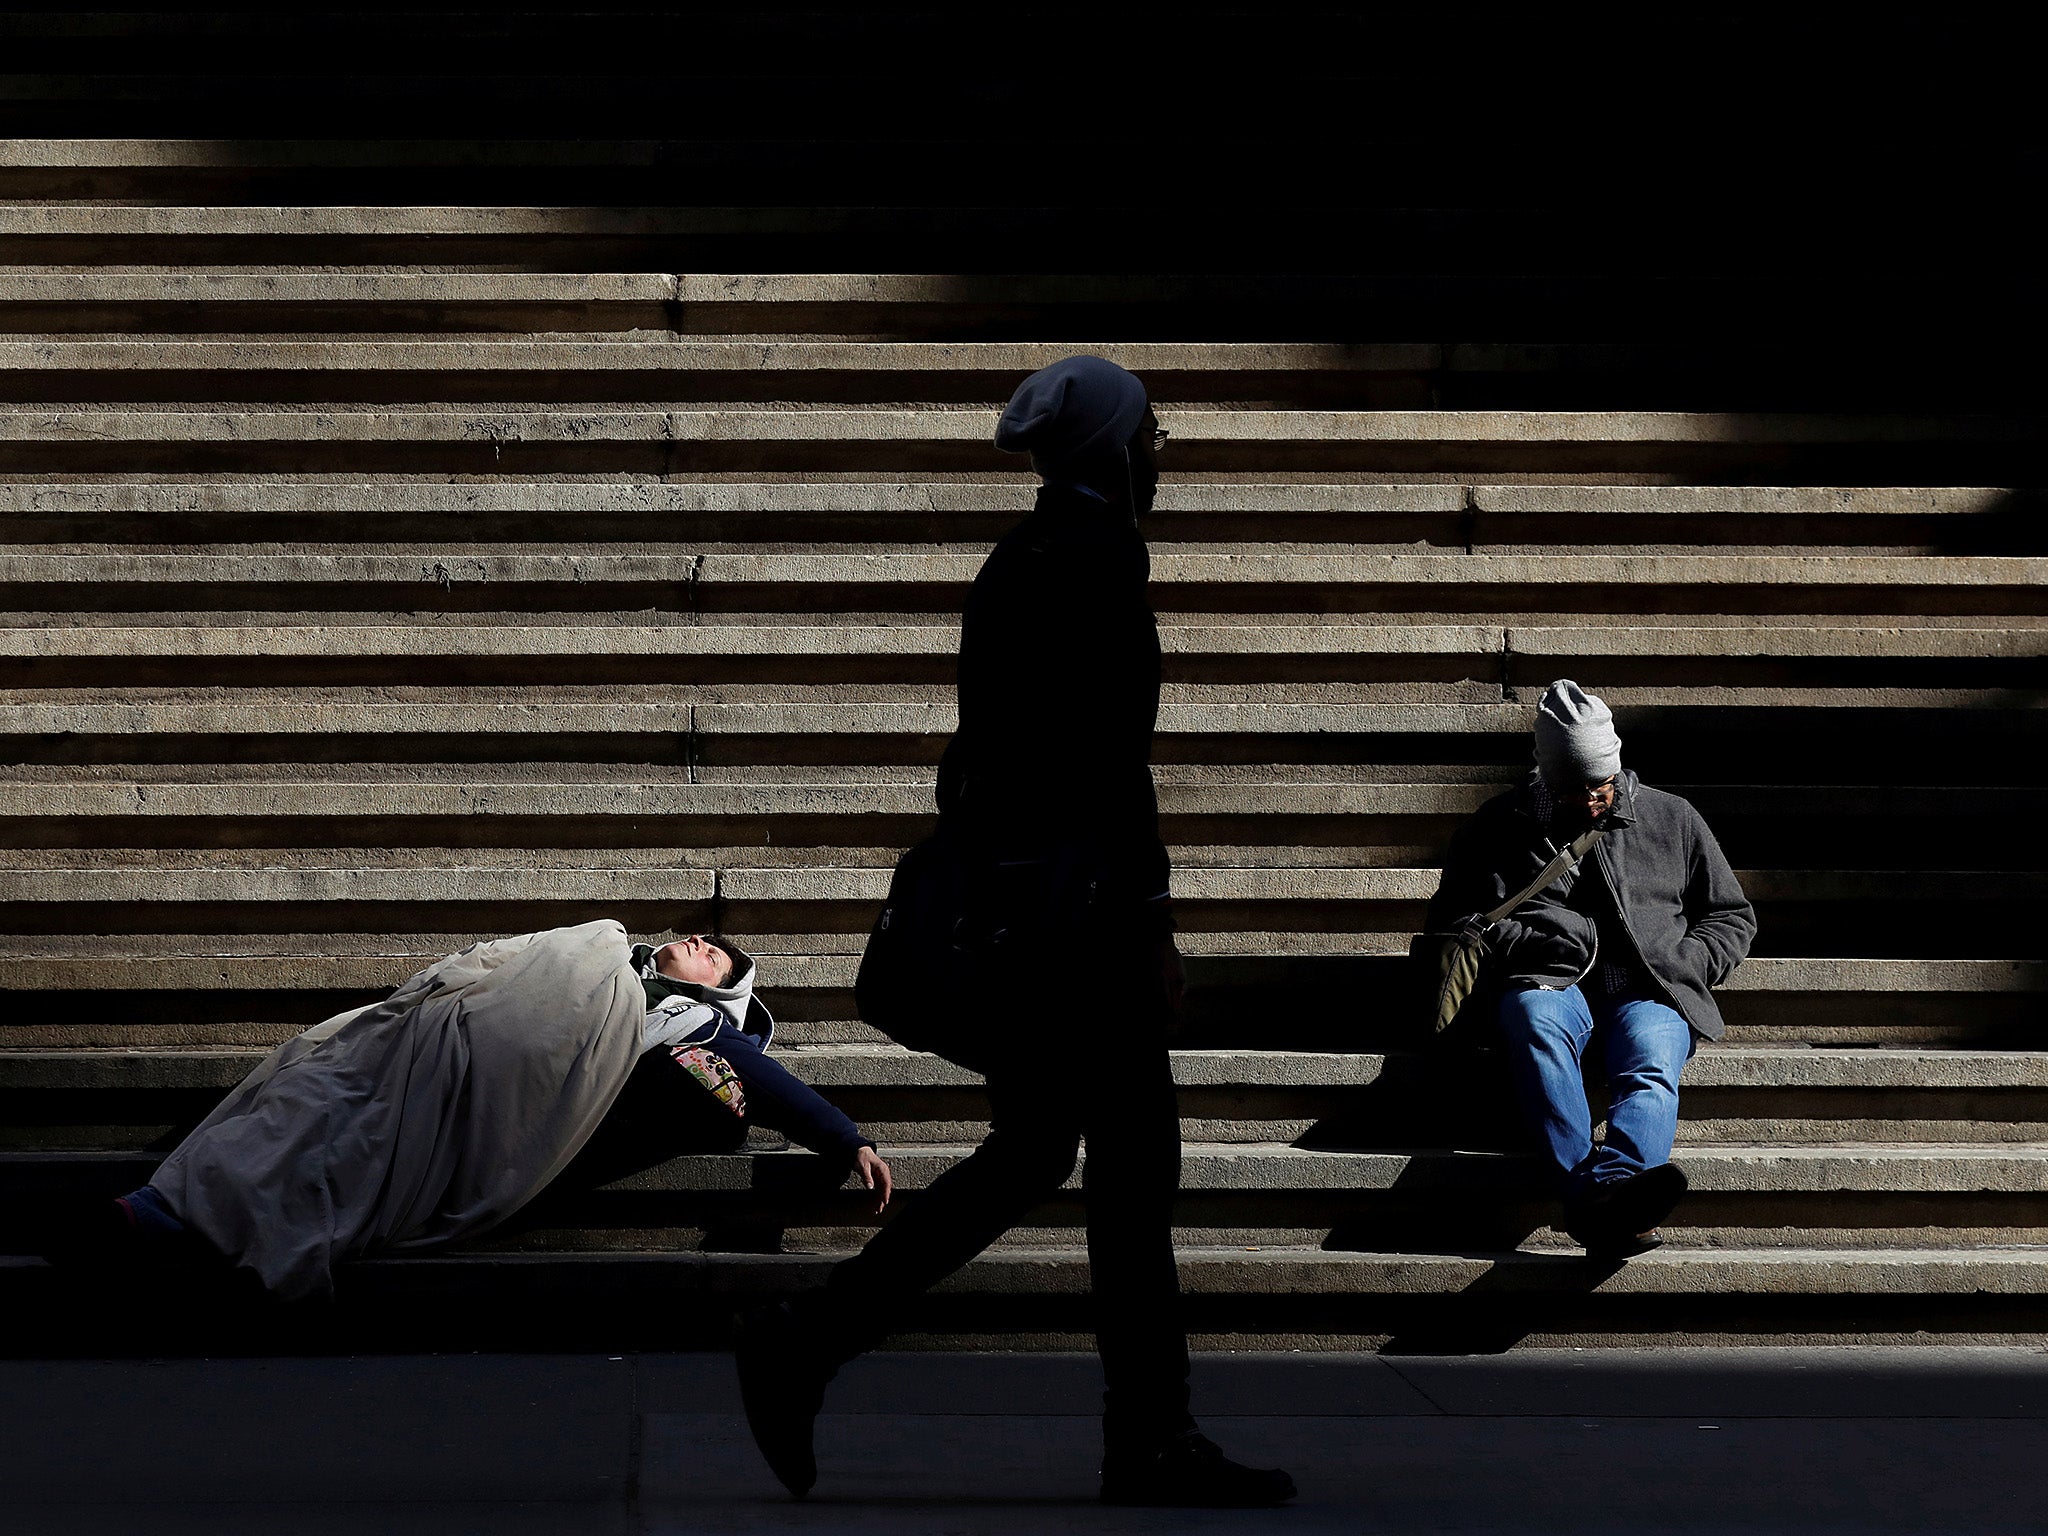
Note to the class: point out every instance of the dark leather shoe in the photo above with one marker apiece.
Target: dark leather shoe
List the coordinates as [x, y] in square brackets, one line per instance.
[1190, 1472]
[1621, 1218]
[782, 1386]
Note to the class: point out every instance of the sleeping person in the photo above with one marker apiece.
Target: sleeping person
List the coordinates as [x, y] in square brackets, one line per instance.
[439, 1112]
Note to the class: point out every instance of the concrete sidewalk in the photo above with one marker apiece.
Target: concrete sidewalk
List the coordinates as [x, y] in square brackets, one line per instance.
[1947, 1440]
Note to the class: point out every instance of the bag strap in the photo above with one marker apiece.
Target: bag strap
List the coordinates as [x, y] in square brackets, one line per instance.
[1568, 857]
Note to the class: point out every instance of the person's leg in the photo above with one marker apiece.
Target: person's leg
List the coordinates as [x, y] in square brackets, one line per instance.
[1131, 1120]
[1645, 1045]
[1152, 1452]
[1034, 1135]
[787, 1352]
[1545, 1034]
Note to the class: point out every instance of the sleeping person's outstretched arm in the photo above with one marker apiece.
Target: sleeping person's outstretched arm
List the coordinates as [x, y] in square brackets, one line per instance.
[783, 1102]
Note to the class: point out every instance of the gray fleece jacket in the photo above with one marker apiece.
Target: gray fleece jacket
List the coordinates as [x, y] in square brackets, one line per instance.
[1681, 905]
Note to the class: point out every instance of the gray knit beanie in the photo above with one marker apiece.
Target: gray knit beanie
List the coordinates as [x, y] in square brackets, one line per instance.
[1575, 740]
[1076, 415]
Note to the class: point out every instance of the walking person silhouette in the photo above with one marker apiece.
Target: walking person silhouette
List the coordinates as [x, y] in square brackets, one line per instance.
[1048, 781]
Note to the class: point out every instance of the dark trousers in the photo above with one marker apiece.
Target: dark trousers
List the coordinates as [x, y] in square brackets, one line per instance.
[1060, 1070]
[662, 1112]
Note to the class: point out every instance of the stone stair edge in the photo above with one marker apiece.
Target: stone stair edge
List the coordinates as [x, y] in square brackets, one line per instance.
[1223, 1270]
[1006, 493]
[172, 880]
[290, 793]
[1248, 567]
[969, 424]
[721, 716]
[1990, 1169]
[180, 965]
[886, 1065]
[90, 636]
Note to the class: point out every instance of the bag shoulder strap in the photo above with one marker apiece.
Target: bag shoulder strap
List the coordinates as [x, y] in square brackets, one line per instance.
[1568, 857]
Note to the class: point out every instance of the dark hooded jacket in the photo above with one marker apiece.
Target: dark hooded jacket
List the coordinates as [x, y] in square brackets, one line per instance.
[1059, 690]
[738, 1031]
[1680, 904]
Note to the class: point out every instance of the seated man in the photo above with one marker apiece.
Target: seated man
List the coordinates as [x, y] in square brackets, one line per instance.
[1626, 946]
[439, 1112]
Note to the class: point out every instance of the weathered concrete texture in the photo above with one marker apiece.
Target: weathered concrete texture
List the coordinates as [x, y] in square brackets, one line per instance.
[712, 712]
[943, 424]
[1665, 1271]
[872, 1066]
[282, 796]
[1210, 1168]
[252, 153]
[500, 222]
[621, 881]
[1235, 1272]
[1743, 500]
[594, 637]
[661, 353]
[1776, 640]
[398, 884]
[1275, 1169]
[1011, 493]
[881, 640]
[260, 961]
[1248, 567]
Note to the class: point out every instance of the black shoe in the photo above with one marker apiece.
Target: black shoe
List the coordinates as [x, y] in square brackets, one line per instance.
[1621, 1218]
[1191, 1472]
[782, 1386]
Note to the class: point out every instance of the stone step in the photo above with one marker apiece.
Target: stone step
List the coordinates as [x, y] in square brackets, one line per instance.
[701, 811]
[84, 650]
[579, 876]
[1477, 518]
[836, 1067]
[846, 227]
[1237, 1298]
[227, 637]
[256, 987]
[761, 302]
[1726, 313]
[567, 360]
[1556, 237]
[491, 440]
[133, 1099]
[849, 580]
[1827, 1196]
[377, 962]
[874, 733]
[658, 366]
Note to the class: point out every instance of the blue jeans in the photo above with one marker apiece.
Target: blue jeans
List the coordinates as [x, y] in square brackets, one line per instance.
[1645, 1044]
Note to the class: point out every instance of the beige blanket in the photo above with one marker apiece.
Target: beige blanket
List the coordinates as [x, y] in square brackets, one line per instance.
[430, 1116]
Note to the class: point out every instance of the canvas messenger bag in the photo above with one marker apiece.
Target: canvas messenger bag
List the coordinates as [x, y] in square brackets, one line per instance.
[1452, 962]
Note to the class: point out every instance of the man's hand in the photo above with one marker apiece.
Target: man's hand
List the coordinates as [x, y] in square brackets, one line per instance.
[874, 1175]
[1173, 977]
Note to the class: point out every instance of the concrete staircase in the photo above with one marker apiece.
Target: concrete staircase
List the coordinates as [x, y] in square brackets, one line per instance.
[432, 537]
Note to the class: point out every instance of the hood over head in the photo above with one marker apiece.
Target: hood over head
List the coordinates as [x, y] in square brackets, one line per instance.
[742, 1009]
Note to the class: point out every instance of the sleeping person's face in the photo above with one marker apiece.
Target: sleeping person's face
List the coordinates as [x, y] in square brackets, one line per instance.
[695, 959]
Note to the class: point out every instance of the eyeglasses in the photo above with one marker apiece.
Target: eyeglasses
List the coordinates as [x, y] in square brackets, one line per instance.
[1587, 791]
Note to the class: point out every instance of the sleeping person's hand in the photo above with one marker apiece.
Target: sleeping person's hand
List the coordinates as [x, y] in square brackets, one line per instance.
[874, 1175]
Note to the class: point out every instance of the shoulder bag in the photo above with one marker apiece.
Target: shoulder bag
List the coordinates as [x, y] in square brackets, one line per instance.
[1452, 961]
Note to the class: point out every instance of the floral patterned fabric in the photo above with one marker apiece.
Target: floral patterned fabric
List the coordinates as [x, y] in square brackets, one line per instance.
[716, 1075]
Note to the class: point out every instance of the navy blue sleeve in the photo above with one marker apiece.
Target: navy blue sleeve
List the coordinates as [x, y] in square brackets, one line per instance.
[782, 1102]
